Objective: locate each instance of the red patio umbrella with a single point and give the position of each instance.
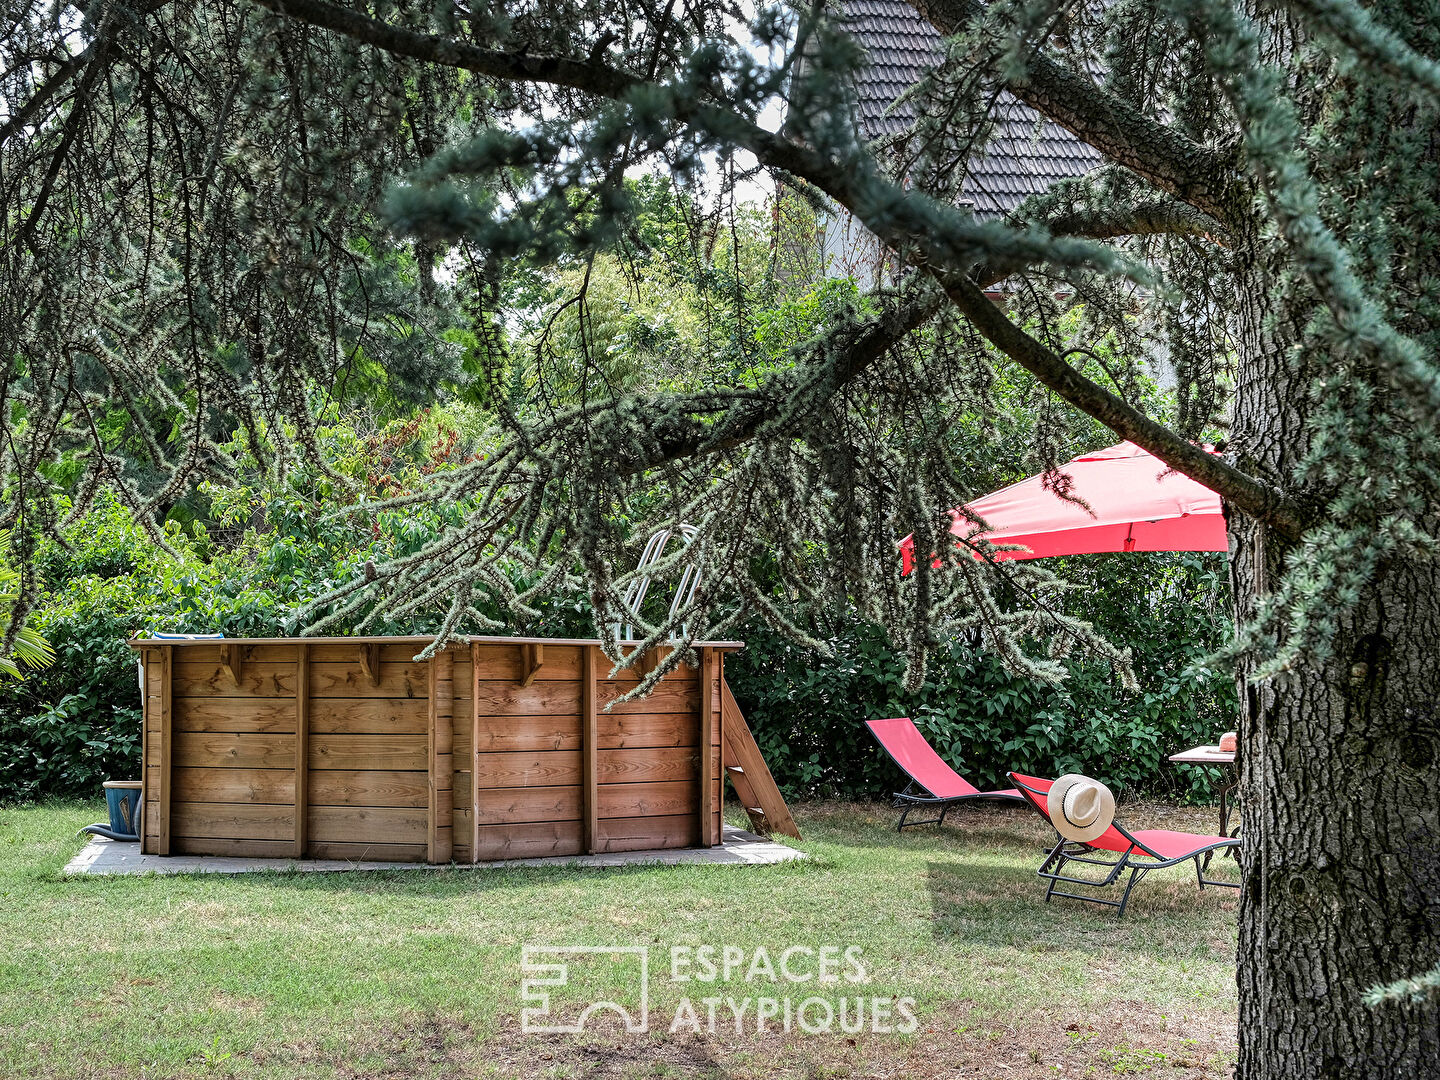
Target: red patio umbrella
(1136, 504)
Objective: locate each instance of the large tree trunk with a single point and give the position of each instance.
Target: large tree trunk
(1341, 795)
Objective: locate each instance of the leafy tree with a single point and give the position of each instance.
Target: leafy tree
(31, 649)
(1268, 201)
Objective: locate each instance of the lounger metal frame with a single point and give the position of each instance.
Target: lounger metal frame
(910, 800)
(1074, 851)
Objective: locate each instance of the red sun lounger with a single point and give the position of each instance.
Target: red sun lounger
(932, 782)
(1139, 852)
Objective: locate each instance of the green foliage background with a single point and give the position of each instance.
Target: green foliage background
(808, 712)
(68, 727)
(657, 311)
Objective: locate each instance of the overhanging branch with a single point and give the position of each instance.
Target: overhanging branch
(878, 204)
(745, 421)
(1244, 492)
(1194, 173)
(594, 77)
(1155, 217)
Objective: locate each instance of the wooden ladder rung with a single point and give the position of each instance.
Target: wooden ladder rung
(756, 790)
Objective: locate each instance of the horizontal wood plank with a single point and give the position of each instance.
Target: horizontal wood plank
(367, 852)
(502, 663)
(348, 680)
(252, 715)
(193, 679)
(390, 653)
(280, 650)
(233, 821)
(551, 697)
(646, 765)
(540, 698)
(641, 834)
(635, 674)
(673, 695)
(500, 806)
(665, 798)
(368, 716)
(240, 849)
(527, 769)
(367, 825)
(230, 785)
(371, 787)
(498, 663)
(382, 752)
(210, 750)
(528, 841)
(622, 730)
(511, 733)
(208, 652)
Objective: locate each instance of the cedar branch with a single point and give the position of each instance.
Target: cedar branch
(876, 203)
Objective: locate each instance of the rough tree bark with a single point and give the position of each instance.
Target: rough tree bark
(1340, 803)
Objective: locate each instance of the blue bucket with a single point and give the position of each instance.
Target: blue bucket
(122, 798)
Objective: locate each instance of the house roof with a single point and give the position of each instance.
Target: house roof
(1025, 153)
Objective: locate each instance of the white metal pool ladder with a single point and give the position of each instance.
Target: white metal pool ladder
(653, 553)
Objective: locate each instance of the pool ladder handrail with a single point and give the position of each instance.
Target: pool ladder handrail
(636, 590)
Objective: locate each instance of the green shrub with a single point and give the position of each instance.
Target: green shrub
(808, 712)
(250, 555)
(70, 746)
(246, 560)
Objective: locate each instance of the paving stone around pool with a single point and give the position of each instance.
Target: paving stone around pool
(740, 848)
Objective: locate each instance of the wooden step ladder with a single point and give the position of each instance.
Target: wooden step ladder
(754, 786)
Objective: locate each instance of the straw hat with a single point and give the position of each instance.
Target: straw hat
(1080, 808)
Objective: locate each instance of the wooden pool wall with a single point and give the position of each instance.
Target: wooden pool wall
(349, 749)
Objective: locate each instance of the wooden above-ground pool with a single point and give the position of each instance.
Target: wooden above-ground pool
(347, 748)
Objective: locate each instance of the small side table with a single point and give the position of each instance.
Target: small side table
(1223, 759)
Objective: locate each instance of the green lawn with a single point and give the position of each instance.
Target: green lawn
(416, 973)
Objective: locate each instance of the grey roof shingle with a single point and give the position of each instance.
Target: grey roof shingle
(1025, 153)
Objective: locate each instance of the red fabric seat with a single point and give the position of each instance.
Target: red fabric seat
(1174, 845)
(928, 771)
(913, 753)
(1162, 843)
(1136, 852)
